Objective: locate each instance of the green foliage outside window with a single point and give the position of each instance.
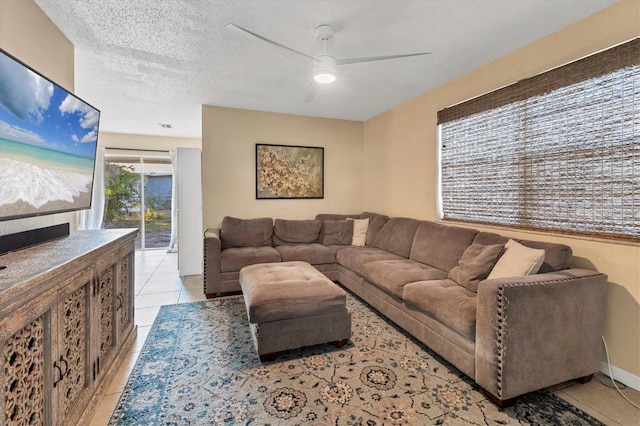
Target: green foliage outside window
(122, 191)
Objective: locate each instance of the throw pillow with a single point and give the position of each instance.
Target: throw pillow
(337, 232)
(517, 260)
(360, 227)
(475, 264)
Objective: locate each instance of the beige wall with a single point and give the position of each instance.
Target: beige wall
(161, 143)
(228, 163)
(401, 161)
(28, 34)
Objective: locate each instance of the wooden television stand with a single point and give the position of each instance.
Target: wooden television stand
(66, 322)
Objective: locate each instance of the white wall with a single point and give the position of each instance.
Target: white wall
(189, 209)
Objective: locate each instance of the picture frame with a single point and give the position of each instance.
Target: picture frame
(289, 172)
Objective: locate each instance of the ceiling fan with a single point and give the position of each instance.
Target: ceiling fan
(324, 63)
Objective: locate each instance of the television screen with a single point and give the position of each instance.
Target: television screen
(48, 141)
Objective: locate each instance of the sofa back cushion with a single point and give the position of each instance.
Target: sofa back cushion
(334, 216)
(322, 217)
(396, 236)
(440, 246)
(376, 222)
(236, 232)
(295, 231)
(337, 232)
(557, 256)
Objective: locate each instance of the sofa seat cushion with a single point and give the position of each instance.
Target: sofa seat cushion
(234, 259)
(392, 275)
(315, 254)
(446, 302)
(354, 258)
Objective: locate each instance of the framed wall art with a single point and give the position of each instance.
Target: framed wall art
(286, 171)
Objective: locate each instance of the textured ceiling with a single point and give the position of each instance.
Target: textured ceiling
(146, 62)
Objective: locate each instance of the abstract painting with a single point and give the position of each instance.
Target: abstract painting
(285, 171)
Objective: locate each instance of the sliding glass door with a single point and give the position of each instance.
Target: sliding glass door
(138, 189)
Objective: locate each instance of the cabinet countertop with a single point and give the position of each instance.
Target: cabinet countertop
(44, 261)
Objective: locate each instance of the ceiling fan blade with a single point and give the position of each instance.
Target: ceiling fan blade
(355, 61)
(270, 43)
(311, 93)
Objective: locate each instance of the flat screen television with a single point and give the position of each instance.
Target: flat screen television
(48, 142)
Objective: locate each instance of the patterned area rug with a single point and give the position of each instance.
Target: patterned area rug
(198, 367)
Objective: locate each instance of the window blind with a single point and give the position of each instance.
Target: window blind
(558, 151)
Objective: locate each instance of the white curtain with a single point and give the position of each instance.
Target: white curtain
(174, 204)
(92, 218)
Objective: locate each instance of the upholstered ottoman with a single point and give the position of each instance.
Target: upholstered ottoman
(291, 305)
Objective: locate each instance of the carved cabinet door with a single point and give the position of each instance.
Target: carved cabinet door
(125, 294)
(26, 373)
(72, 366)
(104, 303)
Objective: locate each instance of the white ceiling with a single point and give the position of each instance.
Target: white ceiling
(146, 62)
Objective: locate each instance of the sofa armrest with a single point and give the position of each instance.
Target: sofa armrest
(211, 275)
(212, 233)
(539, 330)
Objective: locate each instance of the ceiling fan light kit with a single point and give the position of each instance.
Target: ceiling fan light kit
(324, 64)
(324, 76)
(324, 69)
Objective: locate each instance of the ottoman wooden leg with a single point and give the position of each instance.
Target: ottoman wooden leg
(339, 343)
(585, 379)
(501, 403)
(268, 357)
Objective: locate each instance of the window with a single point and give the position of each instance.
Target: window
(138, 195)
(558, 151)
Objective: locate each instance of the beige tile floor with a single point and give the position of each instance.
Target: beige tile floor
(157, 283)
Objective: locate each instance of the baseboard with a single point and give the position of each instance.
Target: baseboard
(622, 376)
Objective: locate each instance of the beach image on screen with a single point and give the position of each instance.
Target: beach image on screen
(48, 142)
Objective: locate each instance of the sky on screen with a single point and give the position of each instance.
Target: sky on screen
(37, 112)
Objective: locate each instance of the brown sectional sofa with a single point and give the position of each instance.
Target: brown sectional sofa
(511, 335)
